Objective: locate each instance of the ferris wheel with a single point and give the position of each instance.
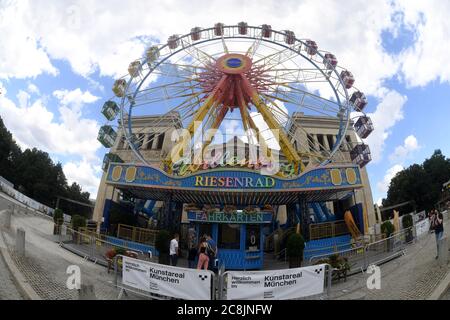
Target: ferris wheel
(260, 76)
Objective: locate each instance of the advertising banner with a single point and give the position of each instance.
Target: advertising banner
(276, 284)
(181, 283)
(422, 227)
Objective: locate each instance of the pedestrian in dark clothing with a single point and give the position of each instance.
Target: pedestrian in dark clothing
(437, 224)
(192, 257)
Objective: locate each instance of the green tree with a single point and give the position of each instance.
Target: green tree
(9, 152)
(420, 183)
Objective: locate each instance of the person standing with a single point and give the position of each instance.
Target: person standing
(437, 224)
(174, 250)
(211, 251)
(191, 257)
(203, 260)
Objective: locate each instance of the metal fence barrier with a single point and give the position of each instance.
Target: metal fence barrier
(360, 258)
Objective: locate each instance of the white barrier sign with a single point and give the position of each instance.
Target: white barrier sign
(422, 227)
(276, 284)
(187, 284)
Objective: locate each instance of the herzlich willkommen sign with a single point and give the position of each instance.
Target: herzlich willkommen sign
(276, 284)
(181, 283)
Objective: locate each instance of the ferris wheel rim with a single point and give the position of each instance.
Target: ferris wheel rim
(343, 125)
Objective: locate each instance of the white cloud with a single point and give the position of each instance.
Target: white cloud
(75, 99)
(85, 174)
(32, 88)
(383, 186)
(22, 55)
(402, 152)
(427, 59)
(107, 36)
(388, 112)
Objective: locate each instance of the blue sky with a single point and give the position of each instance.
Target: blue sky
(59, 63)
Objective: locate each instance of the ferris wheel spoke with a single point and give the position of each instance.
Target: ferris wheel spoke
(196, 53)
(292, 89)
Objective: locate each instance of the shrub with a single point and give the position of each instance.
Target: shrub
(78, 222)
(58, 217)
(387, 228)
(407, 221)
(294, 250)
(162, 241)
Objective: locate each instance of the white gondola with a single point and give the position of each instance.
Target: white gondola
(364, 127)
(173, 42)
(359, 101)
(330, 61)
(107, 136)
(218, 29)
(119, 88)
(135, 68)
(266, 31)
(311, 47)
(152, 55)
(242, 28)
(110, 110)
(289, 37)
(361, 155)
(348, 79)
(196, 33)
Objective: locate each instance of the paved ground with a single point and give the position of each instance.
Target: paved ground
(413, 276)
(8, 290)
(45, 263)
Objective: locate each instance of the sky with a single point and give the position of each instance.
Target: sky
(59, 59)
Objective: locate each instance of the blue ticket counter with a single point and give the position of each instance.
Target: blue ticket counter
(240, 244)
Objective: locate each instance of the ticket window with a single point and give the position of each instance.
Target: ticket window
(253, 237)
(229, 236)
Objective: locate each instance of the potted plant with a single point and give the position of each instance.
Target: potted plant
(387, 228)
(58, 219)
(408, 224)
(340, 266)
(77, 223)
(294, 249)
(162, 244)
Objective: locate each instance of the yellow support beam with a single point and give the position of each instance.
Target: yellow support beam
(198, 117)
(282, 139)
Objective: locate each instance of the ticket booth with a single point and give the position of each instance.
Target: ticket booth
(239, 237)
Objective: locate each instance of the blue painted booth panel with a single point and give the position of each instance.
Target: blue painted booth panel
(133, 245)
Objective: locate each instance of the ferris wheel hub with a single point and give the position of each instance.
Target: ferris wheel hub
(234, 64)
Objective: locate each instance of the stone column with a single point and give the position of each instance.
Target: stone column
(316, 142)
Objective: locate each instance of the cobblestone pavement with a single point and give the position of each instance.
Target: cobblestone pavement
(45, 262)
(413, 276)
(8, 290)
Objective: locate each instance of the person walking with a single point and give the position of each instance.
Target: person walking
(174, 250)
(437, 224)
(203, 260)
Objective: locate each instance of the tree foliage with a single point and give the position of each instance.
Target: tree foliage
(35, 174)
(421, 183)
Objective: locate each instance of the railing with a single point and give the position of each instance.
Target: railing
(361, 257)
(136, 234)
(328, 230)
(94, 247)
